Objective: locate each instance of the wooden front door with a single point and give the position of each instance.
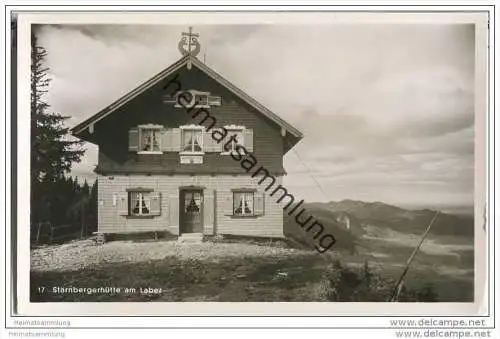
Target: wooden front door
(191, 207)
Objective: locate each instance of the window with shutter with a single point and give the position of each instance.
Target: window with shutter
(192, 140)
(149, 140)
(239, 139)
(247, 203)
(193, 98)
(243, 203)
(139, 203)
(146, 139)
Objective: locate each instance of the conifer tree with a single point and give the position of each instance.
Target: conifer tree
(85, 188)
(52, 150)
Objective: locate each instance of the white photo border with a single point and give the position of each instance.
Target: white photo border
(268, 315)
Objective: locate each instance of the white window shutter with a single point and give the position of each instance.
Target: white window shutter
(133, 139)
(216, 146)
(208, 142)
(175, 139)
(214, 100)
(155, 203)
(173, 218)
(208, 212)
(226, 202)
(248, 139)
(259, 202)
(166, 140)
(122, 204)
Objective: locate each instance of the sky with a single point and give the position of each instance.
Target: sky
(387, 111)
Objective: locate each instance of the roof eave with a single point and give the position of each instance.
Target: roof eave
(76, 130)
(257, 105)
(128, 96)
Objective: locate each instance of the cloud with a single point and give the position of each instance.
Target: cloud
(386, 110)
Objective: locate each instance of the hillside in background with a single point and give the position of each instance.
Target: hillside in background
(384, 236)
(349, 220)
(399, 219)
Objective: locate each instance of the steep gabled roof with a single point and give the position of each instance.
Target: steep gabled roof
(169, 71)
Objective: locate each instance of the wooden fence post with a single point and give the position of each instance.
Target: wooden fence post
(83, 221)
(38, 232)
(51, 233)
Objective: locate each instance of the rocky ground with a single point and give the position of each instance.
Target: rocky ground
(85, 253)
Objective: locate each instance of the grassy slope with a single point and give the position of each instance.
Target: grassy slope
(235, 279)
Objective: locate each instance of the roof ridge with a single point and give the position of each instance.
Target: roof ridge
(167, 72)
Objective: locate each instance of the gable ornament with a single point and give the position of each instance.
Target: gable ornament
(189, 45)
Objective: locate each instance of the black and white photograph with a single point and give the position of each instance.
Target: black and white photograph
(252, 163)
(175, 168)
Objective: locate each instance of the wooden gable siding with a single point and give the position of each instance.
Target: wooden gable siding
(111, 133)
(218, 194)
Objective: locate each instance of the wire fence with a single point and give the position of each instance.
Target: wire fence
(43, 233)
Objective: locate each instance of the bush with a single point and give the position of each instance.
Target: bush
(363, 285)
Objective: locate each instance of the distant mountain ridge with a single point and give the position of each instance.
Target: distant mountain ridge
(349, 221)
(399, 219)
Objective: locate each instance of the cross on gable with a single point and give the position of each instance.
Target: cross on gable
(189, 43)
(190, 34)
